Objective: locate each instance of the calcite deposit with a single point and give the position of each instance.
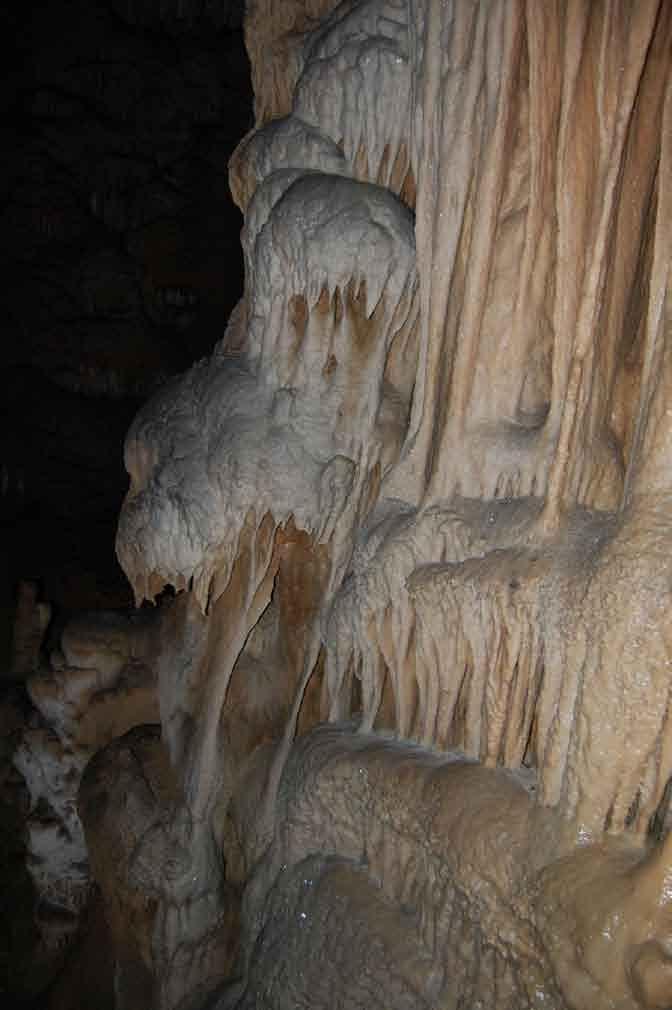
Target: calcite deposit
(419, 494)
(98, 684)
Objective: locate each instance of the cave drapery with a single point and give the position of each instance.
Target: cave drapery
(418, 494)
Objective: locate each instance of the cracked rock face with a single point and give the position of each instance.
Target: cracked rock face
(420, 492)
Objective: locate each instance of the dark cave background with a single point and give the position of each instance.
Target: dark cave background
(121, 258)
(121, 262)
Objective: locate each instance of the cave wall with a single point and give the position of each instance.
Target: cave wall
(418, 494)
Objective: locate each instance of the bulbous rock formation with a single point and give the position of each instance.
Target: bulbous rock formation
(98, 684)
(422, 488)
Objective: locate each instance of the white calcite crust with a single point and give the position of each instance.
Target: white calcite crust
(268, 432)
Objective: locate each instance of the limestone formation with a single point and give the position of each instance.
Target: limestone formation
(420, 492)
(471, 895)
(129, 793)
(96, 686)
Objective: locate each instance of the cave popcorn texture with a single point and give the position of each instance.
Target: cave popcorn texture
(422, 487)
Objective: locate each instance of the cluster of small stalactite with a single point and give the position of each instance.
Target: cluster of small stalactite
(484, 647)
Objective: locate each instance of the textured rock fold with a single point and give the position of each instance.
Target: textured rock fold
(423, 484)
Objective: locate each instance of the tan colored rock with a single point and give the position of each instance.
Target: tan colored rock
(128, 798)
(492, 901)
(274, 35)
(426, 474)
